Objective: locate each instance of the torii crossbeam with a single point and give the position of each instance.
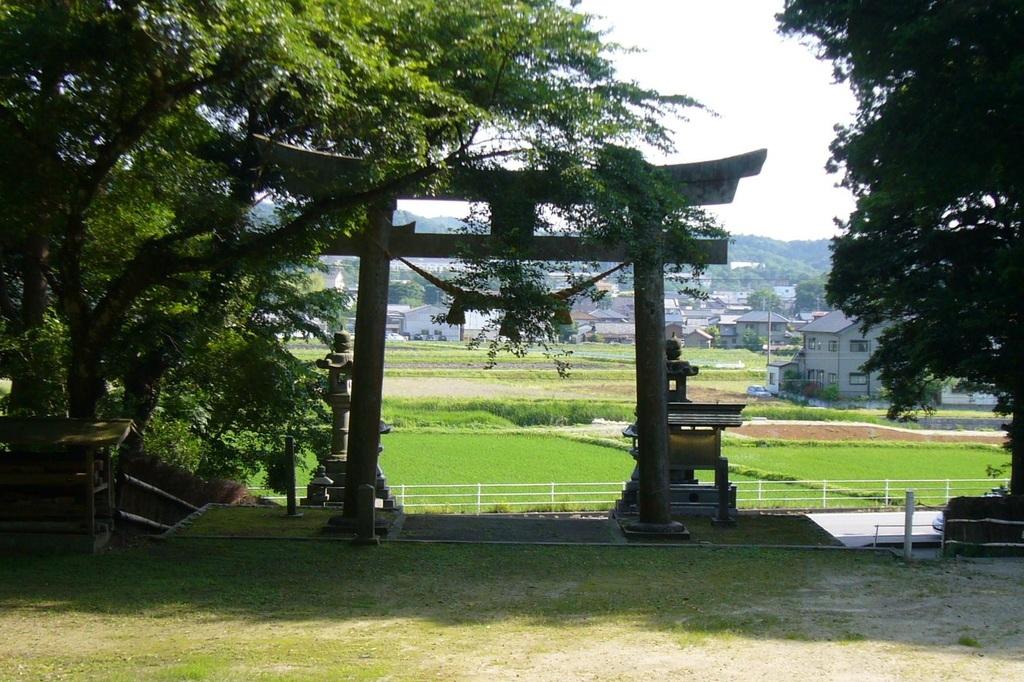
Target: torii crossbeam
(318, 174)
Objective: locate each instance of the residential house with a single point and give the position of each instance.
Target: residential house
(696, 338)
(834, 352)
(419, 323)
(581, 317)
(701, 318)
(675, 316)
(729, 298)
(605, 315)
(756, 322)
(786, 293)
(612, 332)
(778, 380)
(625, 305)
(727, 337)
(691, 337)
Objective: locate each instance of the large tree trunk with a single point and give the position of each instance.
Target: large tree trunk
(141, 396)
(86, 386)
(32, 377)
(34, 296)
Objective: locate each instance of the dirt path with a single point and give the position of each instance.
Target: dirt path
(806, 430)
(809, 430)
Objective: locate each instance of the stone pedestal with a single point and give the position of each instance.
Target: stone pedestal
(336, 491)
(385, 500)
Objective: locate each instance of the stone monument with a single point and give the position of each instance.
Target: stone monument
(694, 442)
(328, 483)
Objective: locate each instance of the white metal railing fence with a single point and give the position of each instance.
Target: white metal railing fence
(885, 492)
(750, 494)
(490, 496)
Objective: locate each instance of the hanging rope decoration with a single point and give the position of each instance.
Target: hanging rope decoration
(463, 300)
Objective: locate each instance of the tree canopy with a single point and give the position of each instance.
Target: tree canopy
(136, 237)
(810, 294)
(935, 247)
(764, 299)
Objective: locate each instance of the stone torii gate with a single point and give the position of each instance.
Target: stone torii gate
(310, 173)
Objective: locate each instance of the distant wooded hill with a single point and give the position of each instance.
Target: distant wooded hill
(812, 254)
(440, 225)
(781, 262)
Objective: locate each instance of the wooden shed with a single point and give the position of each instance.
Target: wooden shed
(56, 485)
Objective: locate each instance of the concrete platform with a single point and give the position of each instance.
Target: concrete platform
(528, 528)
(866, 529)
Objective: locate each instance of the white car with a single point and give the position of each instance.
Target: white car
(758, 392)
(392, 336)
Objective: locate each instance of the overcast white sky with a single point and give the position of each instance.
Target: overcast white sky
(768, 92)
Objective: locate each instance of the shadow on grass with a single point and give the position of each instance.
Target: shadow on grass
(754, 593)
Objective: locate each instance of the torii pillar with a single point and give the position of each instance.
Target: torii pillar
(368, 360)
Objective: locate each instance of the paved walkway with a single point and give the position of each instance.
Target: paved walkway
(582, 528)
(858, 529)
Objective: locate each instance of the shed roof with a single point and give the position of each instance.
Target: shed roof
(62, 432)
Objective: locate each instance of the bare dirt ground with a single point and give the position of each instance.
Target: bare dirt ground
(852, 431)
(953, 623)
(808, 430)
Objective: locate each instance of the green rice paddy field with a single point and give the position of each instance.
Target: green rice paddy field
(514, 457)
(438, 457)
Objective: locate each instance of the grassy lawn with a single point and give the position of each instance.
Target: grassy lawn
(262, 610)
(860, 460)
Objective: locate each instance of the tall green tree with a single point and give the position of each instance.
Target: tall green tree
(128, 137)
(935, 247)
(132, 247)
(409, 292)
(764, 299)
(752, 341)
(810, 294)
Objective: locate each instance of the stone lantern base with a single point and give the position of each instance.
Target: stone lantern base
(336, 491)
